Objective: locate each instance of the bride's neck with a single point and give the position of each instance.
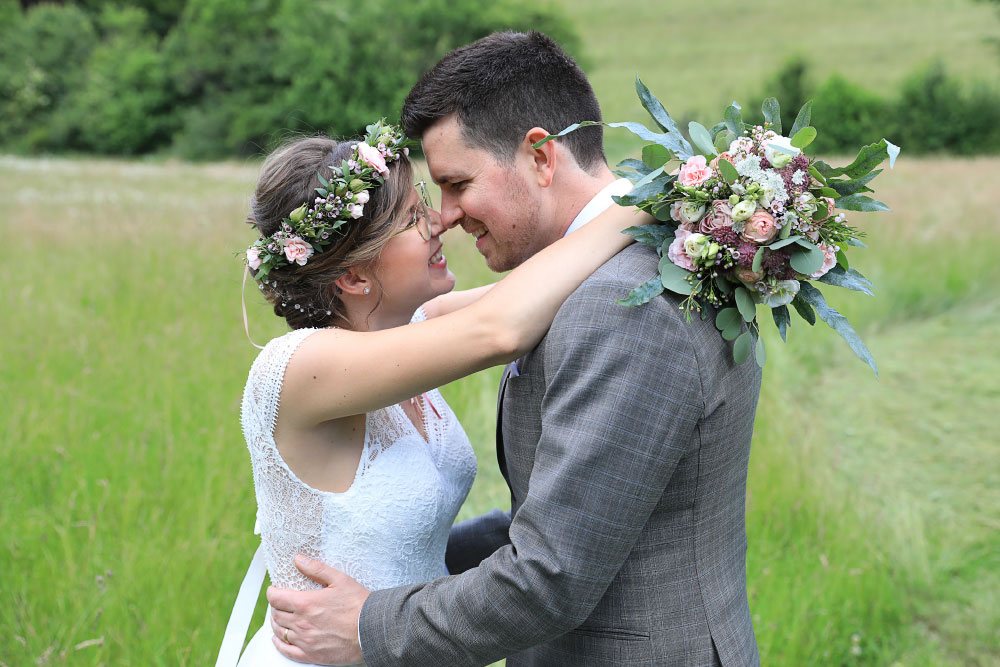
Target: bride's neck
(361, 317)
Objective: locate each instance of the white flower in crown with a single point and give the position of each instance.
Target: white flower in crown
(355, 210)
(361, 197)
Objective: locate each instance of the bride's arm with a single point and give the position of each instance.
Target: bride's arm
(336, 373)
(452, 301)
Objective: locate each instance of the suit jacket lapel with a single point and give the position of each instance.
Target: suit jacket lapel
(501, 453)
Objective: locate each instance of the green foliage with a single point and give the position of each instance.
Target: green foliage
(214, 78)
(932, 111)
(43, 56)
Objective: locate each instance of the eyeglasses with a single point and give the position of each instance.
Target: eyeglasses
(421, 216)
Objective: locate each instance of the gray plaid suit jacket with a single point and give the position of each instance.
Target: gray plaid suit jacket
(624, 440)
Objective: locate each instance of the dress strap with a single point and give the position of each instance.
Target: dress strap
(239, 620)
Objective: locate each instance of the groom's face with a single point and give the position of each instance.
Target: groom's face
(496, 202)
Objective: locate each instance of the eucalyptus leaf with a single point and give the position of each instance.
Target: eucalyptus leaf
(322, 181)
(856, 242)
(745, 304)
(724, 285)
(760, 355)
(733, 331)
(656, 155)
(701, 138)
(728, 171)
(651, 235)
(742, 348)
(734, 120)
(674, 277)
(721, 141)
(661, 211)
(637, 165)
(322, 192)
(860, 203)
(783, 242)
(804, 137)
(842, 259)
(814, 172)
(803, 118)
(655, 109)
(838, 323)
(847, 278)
(868, 158)
(781, 319)
(758, 258)
(854, 186)
(643, 293)
(804, 310)
(644, 189)
(806, 260)
(772, 113)
(727, 318)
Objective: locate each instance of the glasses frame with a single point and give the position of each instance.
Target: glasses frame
(420, 213)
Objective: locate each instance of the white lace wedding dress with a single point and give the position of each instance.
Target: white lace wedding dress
(390, 528)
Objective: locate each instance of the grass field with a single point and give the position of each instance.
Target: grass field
(125, 487)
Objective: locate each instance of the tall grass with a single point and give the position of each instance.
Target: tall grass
(125, 484)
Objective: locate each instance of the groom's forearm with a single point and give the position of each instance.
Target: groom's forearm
(473, 540)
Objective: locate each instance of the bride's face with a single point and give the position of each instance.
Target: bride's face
(412, 269)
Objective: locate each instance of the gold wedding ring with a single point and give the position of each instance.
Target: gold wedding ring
(286, 636)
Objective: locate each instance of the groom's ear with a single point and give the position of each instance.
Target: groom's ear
(544, 158)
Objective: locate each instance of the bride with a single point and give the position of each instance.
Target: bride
(357, 460)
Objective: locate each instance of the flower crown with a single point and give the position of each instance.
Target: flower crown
(307, 230)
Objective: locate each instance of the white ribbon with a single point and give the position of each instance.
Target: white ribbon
(246, 601)
(243, 302)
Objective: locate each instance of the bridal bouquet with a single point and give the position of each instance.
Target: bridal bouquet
(748, 219)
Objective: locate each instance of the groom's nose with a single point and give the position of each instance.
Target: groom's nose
(451, 212)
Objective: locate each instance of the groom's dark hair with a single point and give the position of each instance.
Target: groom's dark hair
(503, 85)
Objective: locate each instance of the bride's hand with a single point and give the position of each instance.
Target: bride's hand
(319, 626)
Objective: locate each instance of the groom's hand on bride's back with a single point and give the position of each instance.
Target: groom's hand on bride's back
(319, 626)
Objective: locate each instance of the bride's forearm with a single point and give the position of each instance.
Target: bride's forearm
(452, 301)
(525, 302)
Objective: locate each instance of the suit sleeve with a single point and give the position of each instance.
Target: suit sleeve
(621, 406)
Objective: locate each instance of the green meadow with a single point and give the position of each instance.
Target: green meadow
(873, 503)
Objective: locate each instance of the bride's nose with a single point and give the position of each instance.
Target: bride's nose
(436, 226)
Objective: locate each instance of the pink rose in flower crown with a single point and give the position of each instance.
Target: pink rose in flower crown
(253, 258)
(695, 171)
(719, 216)
(676, 251)
(829, 261)
(372, 157)
(760, 228)
(297, 250)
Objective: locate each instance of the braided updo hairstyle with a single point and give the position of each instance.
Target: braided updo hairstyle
(287, 180)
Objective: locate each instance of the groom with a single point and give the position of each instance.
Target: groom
(624, 436)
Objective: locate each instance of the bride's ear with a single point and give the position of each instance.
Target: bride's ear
(355, 281)
(544, 158)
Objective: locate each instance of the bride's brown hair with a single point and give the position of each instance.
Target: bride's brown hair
(288, 179)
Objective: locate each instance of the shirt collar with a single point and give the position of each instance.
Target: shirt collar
(601, 202)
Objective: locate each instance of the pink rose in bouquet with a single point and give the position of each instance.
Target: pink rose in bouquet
(720, 215)
(760, 228)
(829, 261)
(695, 171)
(721, 156)
(676, 251)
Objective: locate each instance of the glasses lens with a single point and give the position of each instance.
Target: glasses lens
(422, 215)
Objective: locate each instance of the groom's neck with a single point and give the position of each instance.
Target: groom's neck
(576, 191)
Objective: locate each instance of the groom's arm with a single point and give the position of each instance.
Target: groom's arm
(622, 402)
(473, 540)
